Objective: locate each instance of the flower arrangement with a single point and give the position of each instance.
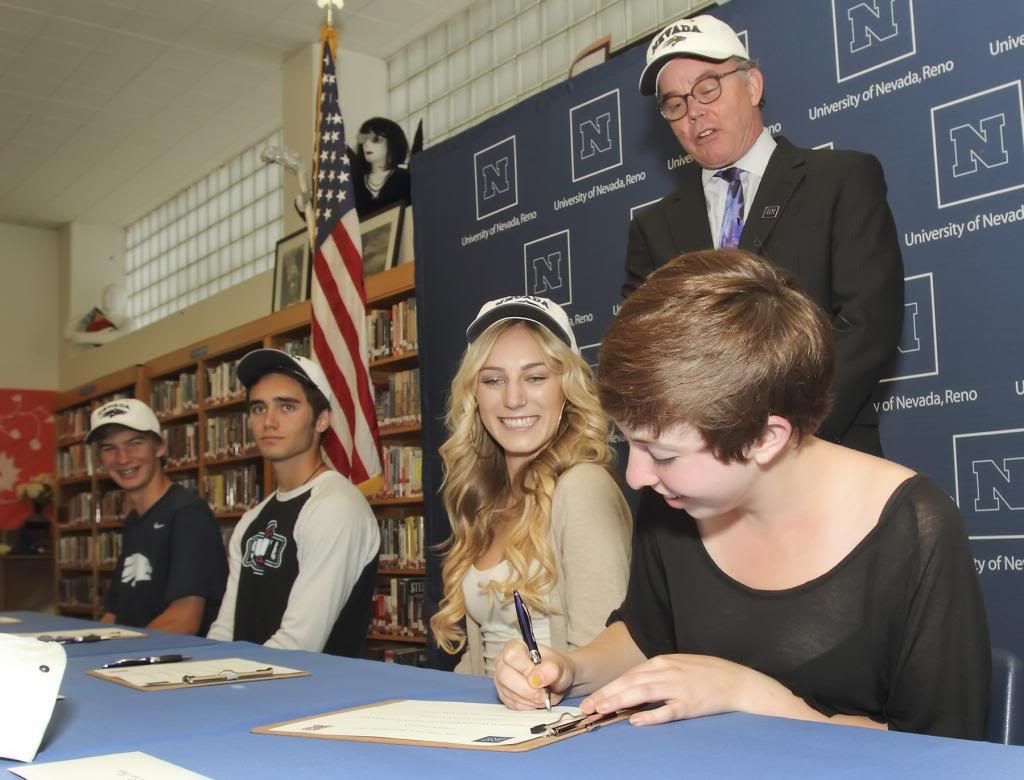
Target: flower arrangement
(38, 490)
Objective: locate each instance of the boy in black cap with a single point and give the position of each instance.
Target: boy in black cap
(171, 572)
(302, 562)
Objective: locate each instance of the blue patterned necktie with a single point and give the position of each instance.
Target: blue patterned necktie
(732, 217)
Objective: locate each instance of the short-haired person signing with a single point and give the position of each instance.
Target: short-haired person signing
(303, 561)
(820, 214)
(171, 572)
(528, 489)
(773, 572)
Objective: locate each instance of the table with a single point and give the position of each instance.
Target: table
(207, 730)
(154, 641)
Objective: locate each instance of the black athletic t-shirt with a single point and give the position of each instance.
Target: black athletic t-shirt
(175, 549)
(896, 631)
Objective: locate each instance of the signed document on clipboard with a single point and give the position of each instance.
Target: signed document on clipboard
(447, 724)
(195, 674)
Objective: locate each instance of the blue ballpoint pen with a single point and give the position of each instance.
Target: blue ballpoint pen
(526, 629)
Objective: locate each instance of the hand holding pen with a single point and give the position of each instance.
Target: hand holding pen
(526, 629)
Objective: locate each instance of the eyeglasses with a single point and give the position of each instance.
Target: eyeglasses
(706, 90)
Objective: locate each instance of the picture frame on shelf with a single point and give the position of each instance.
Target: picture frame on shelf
(380, 237)
(292, 270)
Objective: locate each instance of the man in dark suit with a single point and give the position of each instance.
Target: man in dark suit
(822, 215)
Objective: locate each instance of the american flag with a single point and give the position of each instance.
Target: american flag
(338, 295)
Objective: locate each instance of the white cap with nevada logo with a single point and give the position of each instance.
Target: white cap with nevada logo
(531, 308)
(704, 37)
(129, 412)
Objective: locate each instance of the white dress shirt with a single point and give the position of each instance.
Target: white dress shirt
(752, 166)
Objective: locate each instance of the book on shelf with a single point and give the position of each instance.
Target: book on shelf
(108, 547)
(399, 404)
(298, 347)
(392, 332)
(403, 471)
(402, 542)
(229, 435)
(72, 422)
(75, 590)
(187, 481)
(398, 608)
(75, 550)
(113, 506)
(182, 444)
(175, 396)
(72, 461)
(79, 510)
(222, 382)
(234, 489)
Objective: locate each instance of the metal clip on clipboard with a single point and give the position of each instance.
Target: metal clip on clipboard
(567, 724)
(229, 676)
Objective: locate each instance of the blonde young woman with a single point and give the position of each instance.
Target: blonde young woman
(528, 489)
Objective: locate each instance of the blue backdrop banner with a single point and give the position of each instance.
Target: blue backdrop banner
(538, 199)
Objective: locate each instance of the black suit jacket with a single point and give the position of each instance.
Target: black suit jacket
(822, 215)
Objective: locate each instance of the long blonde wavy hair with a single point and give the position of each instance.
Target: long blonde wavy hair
(478, 492)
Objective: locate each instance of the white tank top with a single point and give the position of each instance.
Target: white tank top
(498, 623)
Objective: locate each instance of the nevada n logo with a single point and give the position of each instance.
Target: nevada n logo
(978, 145)
(989, 470)
(264, 550)
(595, 131)
(547, 265)
(918, 350)
(870, 34)
(496, 180)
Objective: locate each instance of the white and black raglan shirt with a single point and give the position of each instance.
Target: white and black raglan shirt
(294, 561)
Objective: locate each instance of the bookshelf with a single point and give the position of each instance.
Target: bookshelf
(86, 518)
(201, 409)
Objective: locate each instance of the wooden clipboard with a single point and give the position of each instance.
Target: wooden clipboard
(178, 675)
(567, 730)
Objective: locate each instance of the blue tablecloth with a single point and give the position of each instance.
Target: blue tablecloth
(154, 641)
(207, 730)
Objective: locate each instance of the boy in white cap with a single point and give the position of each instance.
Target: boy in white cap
(820, 214)
(303, 562)
(171, 572)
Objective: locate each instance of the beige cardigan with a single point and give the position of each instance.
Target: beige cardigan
(590, 536)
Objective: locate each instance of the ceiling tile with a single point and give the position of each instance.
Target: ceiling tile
(21, 20)
(60, 31)
(154, 27)
(95, 12)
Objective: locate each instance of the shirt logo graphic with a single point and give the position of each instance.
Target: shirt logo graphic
(265, 550)
(136, 569)
(158, 526)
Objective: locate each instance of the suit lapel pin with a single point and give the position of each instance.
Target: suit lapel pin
(770, 212)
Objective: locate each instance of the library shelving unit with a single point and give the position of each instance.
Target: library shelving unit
(201, 407)
(86, 522)
(399, 622)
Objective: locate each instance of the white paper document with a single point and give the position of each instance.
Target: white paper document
(115, 766)
(450, 722)
(4, 619)
(82, 635)
(197, 672)
(30, 675)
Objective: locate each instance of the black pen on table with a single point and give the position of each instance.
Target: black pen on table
(146, 660)
(526, 629)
